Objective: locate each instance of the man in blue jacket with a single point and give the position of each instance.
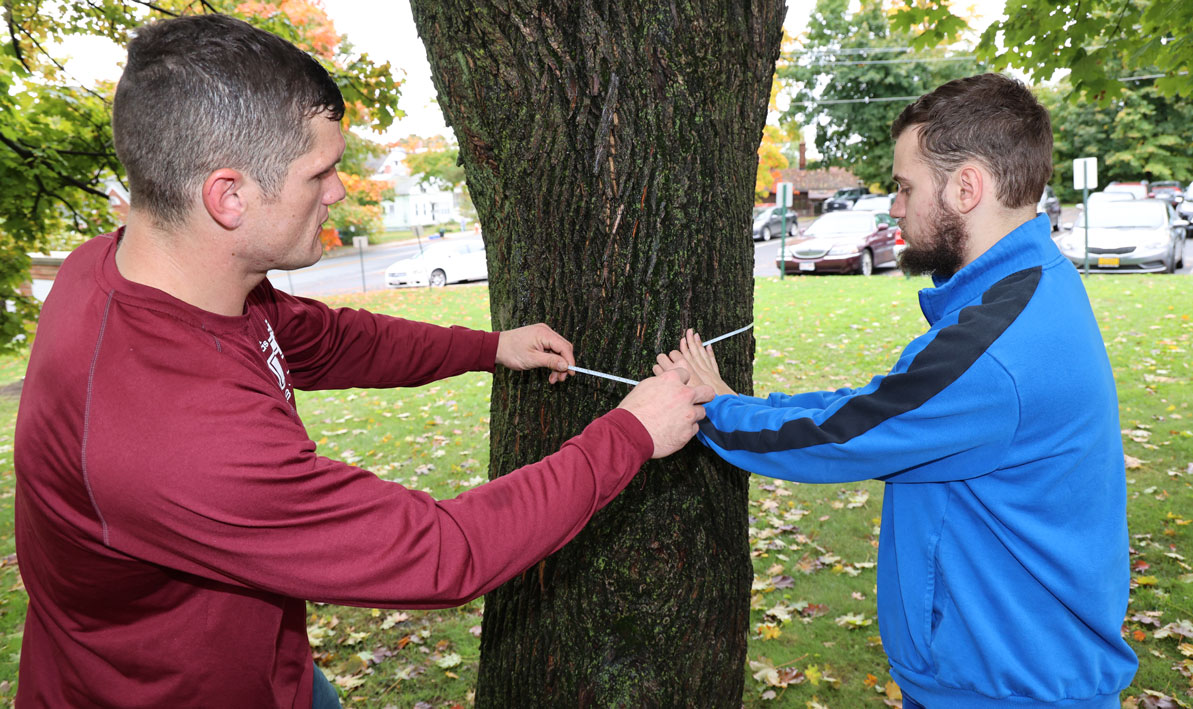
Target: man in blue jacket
(1003, 573)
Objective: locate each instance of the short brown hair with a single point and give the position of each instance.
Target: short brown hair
(204, 92)
(991, 118)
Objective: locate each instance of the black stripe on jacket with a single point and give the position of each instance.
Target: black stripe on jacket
(952, 352)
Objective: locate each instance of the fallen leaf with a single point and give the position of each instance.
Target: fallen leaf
(814, 610)
(852, 620)
(1182, 628)
(448, 661)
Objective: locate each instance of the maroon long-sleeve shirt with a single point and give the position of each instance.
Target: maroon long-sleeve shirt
(173, 514)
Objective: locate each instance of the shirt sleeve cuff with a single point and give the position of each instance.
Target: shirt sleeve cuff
(633, 429)
(486, 359)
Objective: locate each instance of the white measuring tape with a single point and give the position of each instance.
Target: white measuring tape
(631, 382)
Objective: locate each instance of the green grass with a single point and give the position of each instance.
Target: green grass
(814, 607)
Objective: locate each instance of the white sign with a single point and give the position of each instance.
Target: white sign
(783, 192)
(360, 242)
(1085, 173)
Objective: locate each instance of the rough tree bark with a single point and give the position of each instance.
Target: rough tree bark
(610, 148)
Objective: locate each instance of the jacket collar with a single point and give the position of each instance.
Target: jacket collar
(1030, 244)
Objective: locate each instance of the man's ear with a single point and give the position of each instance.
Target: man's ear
(224, 197)
(971, 184)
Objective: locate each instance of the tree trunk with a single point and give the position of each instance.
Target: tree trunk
(610, 149)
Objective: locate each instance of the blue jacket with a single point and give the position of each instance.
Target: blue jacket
(1002, 563)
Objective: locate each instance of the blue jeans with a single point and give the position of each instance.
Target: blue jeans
(323, 695)
(909, 703)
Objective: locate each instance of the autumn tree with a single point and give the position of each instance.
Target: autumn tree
(55, 137)
(359, 213)
(611, 151)
(437, 167)
(770, 160)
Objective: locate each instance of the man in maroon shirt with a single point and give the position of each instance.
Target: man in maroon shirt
(173, 515)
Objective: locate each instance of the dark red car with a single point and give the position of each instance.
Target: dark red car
(842, 242)
(1169, 191)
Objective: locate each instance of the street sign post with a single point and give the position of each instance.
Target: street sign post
(1085, 178)
(783, 192)
(361, 242)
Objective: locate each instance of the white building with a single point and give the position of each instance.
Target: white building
(413, 203)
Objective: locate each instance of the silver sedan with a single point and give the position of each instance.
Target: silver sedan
(1136, 236)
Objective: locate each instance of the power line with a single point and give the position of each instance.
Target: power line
(1152, 76)
(885, 99)
(869, 62)
(862, 50)
(867, 99)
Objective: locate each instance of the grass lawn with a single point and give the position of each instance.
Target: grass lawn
(814, 641)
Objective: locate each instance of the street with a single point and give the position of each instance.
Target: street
(341, 273)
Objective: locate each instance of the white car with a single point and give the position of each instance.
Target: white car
(1136, 236)
(874, 203)
(439, 264)
(1185, 208)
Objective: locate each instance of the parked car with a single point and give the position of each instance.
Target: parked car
(843, 242)
(900, 245)
(439, 264)
(1049, 205)
(1143, 236)
(1185, 208)
(844, 199)
(1169, 190)
(1137, 189)
(874, 203)
(768, 222)
(1111, 197)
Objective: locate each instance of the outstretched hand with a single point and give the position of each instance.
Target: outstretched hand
(698, 360)
(535, 346)
(669, 407)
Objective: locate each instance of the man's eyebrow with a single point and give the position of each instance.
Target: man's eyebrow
(898, 178)
(331, 166)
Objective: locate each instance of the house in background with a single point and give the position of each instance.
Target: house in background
(413, 203)
(812, 187)
(117, 199)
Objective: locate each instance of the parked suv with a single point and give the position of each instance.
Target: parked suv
(1138, 190)
(1168, 190)
(844, 199)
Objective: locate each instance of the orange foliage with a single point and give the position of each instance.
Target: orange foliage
(318, 32)
(366, 189)
(330, 236)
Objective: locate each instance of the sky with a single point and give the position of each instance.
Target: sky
(385, 31)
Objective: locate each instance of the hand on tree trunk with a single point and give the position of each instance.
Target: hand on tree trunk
(699, 361)
(535, 346)
(668, 408)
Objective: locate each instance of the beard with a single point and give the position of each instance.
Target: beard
(940, 250)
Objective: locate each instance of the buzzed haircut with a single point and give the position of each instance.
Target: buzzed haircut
(205, 92)
(992, 118)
